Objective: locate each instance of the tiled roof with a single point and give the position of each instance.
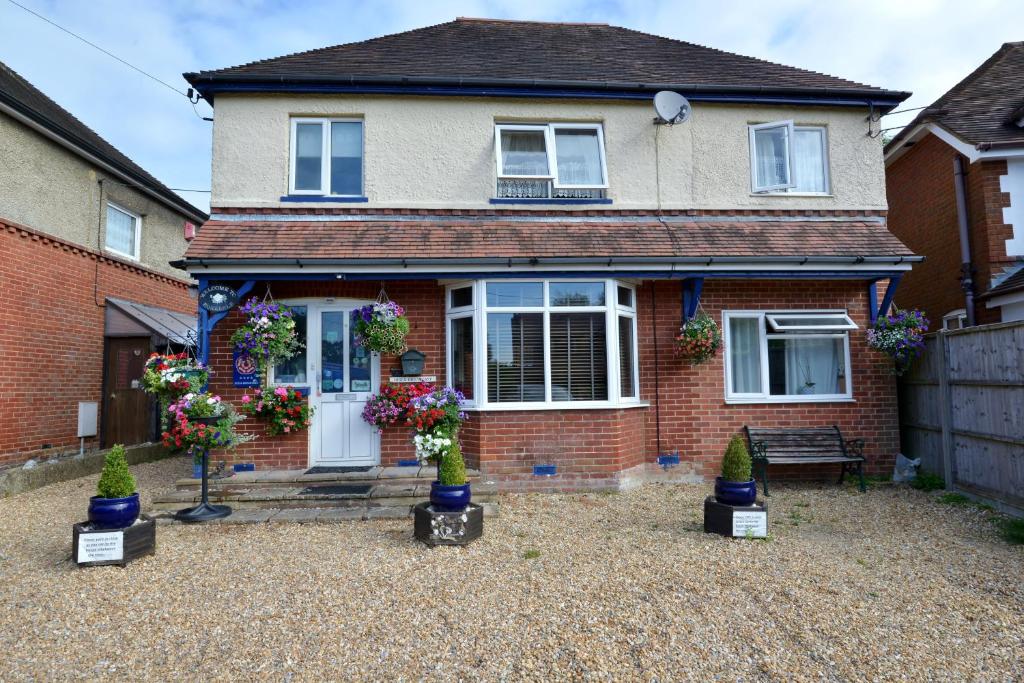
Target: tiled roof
(537, 53)
(981, 108)
(455, 239)
(1014, 283)
(29, 101)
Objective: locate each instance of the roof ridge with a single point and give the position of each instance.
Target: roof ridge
(487, 20)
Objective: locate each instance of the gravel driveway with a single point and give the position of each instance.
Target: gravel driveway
(890, 585)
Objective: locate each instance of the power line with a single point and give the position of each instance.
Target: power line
(94, 45)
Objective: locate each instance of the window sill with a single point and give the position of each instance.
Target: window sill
(543, 200)
(789, 399)
(580, 405)
(821, 195)
(121, 255)
(323, 198)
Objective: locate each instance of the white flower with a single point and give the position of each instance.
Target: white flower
(211, 401)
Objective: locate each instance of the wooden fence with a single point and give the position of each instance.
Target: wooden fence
(962, 412)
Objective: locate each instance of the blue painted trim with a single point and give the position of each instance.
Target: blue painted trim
(408, 463)
(323, 198)
(244, 467)
(873, 301)
(207, 322)
(567, 274)
(213, 89)
(692, 288)
(890, 293)
(563, 200)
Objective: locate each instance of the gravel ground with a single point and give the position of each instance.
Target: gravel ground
(891, 585)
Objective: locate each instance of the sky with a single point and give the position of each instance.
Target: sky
(917, 45)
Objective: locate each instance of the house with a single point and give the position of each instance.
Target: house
(88, 291)
(955, 179)
(507, 184)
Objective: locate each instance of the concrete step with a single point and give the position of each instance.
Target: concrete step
(279, 478)
(314, 514)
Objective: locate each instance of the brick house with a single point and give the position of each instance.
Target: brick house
(978, 128)
(88, 290)
(547, 238)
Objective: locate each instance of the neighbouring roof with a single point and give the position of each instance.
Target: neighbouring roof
(177, 328)
(537, 55)
(453, 240)
(1014, 283)
(28, 101)
(983, 108)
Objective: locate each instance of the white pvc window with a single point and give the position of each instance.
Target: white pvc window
(326, 157)
(570, 155)
(785, 158)
(787, 356)
(124, 231)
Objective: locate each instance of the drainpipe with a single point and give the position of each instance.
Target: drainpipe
(966, 267)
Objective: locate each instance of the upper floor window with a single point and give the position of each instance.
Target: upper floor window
(557, 160)
(327, 157)
(124, 231)
(788, 158)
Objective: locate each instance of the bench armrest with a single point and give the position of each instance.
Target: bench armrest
(758, 450)
(854, 447)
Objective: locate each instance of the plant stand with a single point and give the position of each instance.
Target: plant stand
(750, 521)
(92, 547)
(434, 527)
(204, 512)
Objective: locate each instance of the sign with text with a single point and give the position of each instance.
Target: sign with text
(244, 370)
(753, 524)
(429, 379)
(101, 547)
(218, 298)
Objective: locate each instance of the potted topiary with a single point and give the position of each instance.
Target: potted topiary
(116, 503)
(435, 419)
(736, 486)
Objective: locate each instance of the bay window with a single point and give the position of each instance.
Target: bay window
(537, 343)
(786, 158)
(554, 161)
(327, 157)
(787, 355)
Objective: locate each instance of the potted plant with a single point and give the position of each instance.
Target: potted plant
(736, 486)
(201, 422)
(390, 406)
(268, 334)
(699, 339)
(381, 327)
(435, 419)
(899, 335)
(285, 409)
(116, 503)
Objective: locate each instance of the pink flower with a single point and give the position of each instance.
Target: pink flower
(281, 391)
(246, 399)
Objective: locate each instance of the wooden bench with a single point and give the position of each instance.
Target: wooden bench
(804, 446)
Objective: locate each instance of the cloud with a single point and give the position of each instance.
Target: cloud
(913, 45)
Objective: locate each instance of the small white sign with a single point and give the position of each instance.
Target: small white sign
(413, 380)
(104, 547)
(753, 524)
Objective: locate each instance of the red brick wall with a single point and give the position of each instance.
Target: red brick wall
(591, 446)
(922, 213)
(51, 333)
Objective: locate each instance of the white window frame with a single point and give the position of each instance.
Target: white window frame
(773, 318)
(137, 256)
(752, 132)
(325, 155)
(959, 314)
(480, 310)
(764, 334)
(790, 189)
(308, 303)
(550, 149)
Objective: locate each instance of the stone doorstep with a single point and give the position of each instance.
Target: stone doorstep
(313, 515)
(278, 477)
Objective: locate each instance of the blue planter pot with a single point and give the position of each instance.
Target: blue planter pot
(449, 498)
(739, 493)
(197, 470)
(113, 513)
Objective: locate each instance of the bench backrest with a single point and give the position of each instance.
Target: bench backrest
(801, 442)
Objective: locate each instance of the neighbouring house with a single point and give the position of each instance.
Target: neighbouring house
(955, 180)
(507, 184)
(86, 237)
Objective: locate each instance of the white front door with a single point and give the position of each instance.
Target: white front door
(344, 375)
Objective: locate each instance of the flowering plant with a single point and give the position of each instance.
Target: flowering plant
(268, 334)
(899, 335)
(435, 418)
(381, 327)
(699, 339)
(189, 429)
(285, 409)
(390, 406)
(173, 374)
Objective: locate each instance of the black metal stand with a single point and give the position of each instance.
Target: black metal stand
(204, 512)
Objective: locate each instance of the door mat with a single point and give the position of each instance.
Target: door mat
(337, 490)
(320, 469)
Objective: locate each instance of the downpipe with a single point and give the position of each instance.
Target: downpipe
(966, 264)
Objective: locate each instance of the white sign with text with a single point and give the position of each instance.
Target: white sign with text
(102, 547)
(753, 524)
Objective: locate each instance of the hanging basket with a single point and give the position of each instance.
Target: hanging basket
(381, 326)
(699, 339)
(268, 334)
(899, 335)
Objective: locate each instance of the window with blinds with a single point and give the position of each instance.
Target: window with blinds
(579, 357)
(515, 357)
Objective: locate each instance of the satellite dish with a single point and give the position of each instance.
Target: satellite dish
(671, 108)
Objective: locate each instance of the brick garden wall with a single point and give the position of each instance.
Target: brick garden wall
(51, 334)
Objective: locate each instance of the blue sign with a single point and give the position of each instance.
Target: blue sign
(245, 370)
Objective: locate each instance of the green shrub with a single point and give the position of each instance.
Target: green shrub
(452, 471)
(115, 481)
(1013, 530)
(926, 481)
(736, 463)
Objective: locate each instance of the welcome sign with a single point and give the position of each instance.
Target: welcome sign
(244, 370)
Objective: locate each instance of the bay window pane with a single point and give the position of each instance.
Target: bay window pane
(461, 335)
(510, 294)
(463, 296)
(293, 370)
(579, 361)
(806, 366)
(625, 295)
(121, 229)
(515, 357)
(308, 153)
(771, 157)
(576, 293)
(578, 154)
(745, 355)
(627, 383)
(524, 152)
(809, 160)
(346, 157)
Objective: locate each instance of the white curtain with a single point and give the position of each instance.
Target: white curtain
(772, 162)
(120, 231)
(745, 355)
(812, 366)
(809, 160)
(523, 152)
(579, 157)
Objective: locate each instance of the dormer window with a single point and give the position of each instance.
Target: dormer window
(556, 161)
(326, 157)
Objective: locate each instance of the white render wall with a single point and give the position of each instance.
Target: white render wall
(1013, 215)
(438, 152)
